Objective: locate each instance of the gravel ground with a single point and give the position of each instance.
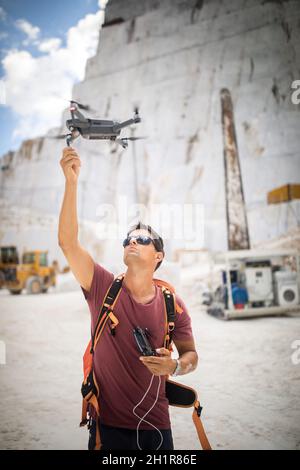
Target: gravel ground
(246, 380)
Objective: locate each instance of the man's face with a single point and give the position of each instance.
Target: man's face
(141, 255)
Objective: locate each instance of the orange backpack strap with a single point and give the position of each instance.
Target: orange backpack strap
(98, 443)
(160, 283)
(106, 311)
(171, 308)
(89, 388)
(199, 427)
(183, 396)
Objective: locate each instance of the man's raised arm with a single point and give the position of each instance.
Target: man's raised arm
(80, 261)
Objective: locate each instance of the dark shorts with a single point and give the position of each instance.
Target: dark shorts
(120, 438)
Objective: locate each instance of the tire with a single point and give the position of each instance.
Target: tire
(15, 292)
(34, 285)
(44, 290)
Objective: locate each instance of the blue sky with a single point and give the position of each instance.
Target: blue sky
(42, 44)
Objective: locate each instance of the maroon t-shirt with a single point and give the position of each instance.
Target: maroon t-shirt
(121, 376)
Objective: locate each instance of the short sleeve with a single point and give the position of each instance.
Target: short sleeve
(183, 325)
(101, 281)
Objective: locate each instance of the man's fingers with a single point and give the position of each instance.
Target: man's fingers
(163, 351)
(70, 154)
(69, 151)
(72, 163)
(149, 366)
(68, 158)
(151, 360)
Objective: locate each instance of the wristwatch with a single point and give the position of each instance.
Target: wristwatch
(177, 369)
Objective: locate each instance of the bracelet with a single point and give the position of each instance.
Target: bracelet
(177, 369)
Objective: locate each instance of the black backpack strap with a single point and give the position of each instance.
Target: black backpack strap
(107, 306)
(170, 305)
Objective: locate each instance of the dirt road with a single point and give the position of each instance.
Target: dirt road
(246, 380)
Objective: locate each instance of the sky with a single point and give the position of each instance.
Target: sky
(44, 46)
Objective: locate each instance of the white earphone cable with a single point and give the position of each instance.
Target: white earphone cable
(143, 417)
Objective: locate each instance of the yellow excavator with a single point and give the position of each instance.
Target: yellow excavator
(33, 274)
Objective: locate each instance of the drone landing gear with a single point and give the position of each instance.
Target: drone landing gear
(68, 139)
(122, 142)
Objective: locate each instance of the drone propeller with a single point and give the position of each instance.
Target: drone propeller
(124, 140)
(85, 107)
(60, 136)
(133, 138)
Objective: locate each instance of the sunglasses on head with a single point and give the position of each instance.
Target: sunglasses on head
(140, 239)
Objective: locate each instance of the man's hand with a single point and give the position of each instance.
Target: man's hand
(70, 163)
(160, 365)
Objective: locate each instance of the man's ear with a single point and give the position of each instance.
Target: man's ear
(159, 257)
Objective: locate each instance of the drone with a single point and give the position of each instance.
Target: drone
(79, 125)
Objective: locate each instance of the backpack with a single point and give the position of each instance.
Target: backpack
(177, 394)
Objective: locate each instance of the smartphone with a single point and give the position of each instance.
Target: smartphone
(142, 342)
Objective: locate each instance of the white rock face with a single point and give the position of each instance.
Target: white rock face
(172, 58)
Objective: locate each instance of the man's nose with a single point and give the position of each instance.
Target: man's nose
(133, 241)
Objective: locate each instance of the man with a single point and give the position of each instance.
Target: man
(132, 388)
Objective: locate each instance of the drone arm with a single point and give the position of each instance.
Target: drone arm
(75, 113)
(123, 124)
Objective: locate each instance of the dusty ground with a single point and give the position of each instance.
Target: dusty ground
(246, 380)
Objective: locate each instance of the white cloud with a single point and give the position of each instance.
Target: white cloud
(36, 86)
(32, 32)
(102, 4)
(49, 45)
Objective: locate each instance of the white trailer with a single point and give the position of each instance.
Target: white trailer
(281, 299)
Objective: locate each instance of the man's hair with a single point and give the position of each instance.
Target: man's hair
(157, 240)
